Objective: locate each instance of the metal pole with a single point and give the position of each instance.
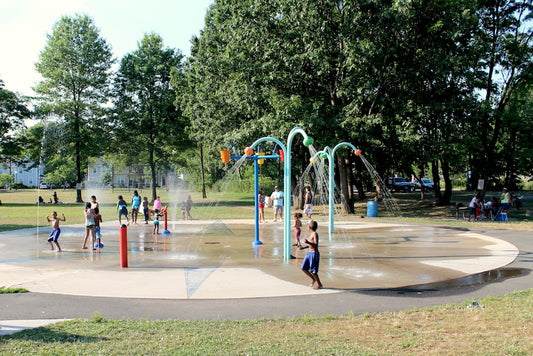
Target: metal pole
(256, 190)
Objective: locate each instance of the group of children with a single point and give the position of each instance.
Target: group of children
(93, 219)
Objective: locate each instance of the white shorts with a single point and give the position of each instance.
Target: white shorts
(278, 209)
(308, 209)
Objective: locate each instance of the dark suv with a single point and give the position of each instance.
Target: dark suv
(399, 184)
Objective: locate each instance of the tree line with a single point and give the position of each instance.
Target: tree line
(423, 87)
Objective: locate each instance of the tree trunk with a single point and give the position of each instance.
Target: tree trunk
(343, 180)
(151, 162)
(79, 175)
(447, 182)
(436, 181)
(204, 194)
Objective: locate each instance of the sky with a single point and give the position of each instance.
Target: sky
(24, 25)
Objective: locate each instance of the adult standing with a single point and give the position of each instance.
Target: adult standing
(277, 203)
(308, 207)
(474, 204)
(505, 200)
(135, 205)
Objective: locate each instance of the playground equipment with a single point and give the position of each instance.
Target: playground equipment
(165, 217)
(258, 159)
(330, 155)
(286, 151)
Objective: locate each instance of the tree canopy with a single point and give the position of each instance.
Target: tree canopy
(75, 65)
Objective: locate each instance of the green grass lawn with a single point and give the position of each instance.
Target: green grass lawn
(501, 326)
(19, 208)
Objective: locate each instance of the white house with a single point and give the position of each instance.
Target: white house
(23, 173)
(134, 176)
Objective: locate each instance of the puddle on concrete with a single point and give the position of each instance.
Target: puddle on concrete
(496, 275)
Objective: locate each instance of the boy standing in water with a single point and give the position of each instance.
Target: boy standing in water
(54, 235)
(312, 258)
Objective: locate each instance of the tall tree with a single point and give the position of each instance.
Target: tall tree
(505, 39)
(75, 65)
(148, 125)
(13, 111)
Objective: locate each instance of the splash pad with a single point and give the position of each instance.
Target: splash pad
(213, 259)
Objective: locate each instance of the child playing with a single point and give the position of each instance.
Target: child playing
(312, 258)
(184, 210)
(54, 235)
(297, 229)
(156, 224)
(89, 224)
(146, 210)
(97, 220)
(261, 205)
(122, 209)
(188, 207)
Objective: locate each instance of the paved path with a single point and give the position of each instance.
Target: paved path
(15, 309)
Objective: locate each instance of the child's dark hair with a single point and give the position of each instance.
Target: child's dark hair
(88, 205)
(96, 210)
(313, 225)
(120, 197)
(298, 215)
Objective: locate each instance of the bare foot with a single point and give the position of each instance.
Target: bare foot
(312, 285)
(319, 286)
(60, 250)
(84, 247)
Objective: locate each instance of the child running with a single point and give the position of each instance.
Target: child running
(122, 209)
(54, 235)
(312, 258)
(297, 229)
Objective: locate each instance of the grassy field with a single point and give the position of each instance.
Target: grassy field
(500, 326)
(19, 208)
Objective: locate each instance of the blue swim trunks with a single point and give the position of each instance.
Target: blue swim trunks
(54, 235)
(97, 232)
(311, 262)
(123, 210)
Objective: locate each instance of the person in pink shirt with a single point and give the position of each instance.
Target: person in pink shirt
(157, 206)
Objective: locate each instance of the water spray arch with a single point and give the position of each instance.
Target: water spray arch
(330, 155)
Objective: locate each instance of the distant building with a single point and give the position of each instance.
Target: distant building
(29, 177)
(134, 176)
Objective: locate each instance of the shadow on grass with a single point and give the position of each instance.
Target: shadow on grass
(45, 334)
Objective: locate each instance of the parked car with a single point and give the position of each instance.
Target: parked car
(44, 185)
(399, 184)
(428, 184)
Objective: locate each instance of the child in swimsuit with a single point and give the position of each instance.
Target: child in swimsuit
(54, 235)
(312, 258)
(122, 209)
(297, 229)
